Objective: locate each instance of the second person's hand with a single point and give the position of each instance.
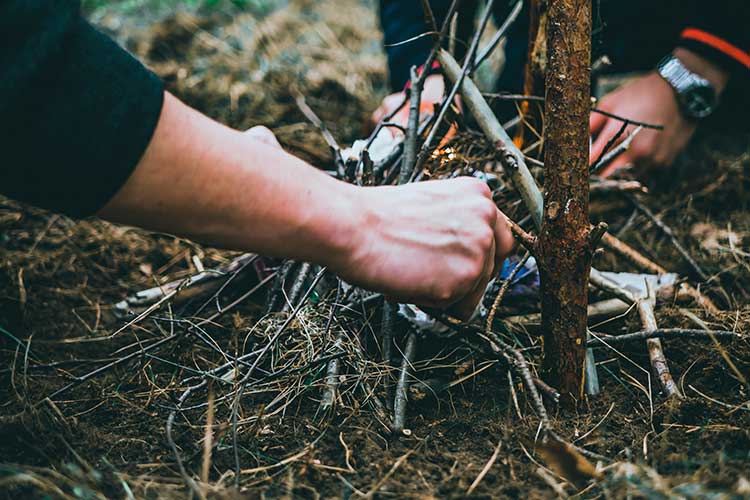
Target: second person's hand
(432, 94)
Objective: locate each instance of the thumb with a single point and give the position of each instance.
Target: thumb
(504, 240)
(264, 135)
(596, 122)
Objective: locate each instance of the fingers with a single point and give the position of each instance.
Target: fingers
(621, 162)
(596, 122)
(501, 247)
(459, 240)
(388, 106)
(504, 240)
(378, 114)
(607, 132)
(465, 307)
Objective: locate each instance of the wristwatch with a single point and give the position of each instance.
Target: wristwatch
(696, 96)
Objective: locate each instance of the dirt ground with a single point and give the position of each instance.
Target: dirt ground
(245, 63)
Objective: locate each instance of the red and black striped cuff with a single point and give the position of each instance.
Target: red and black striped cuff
(716, 48)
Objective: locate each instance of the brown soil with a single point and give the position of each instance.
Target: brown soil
(106, 437)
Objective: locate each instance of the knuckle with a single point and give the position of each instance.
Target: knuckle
(460, 283)
(470, 274)
(260, 130)
(489, 211)
(476, 185)
(482, 188)
(444, 294)
(485, 238)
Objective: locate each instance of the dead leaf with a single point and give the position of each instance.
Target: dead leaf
(568, 462)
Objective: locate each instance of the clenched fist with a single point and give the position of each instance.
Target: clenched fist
(435, 243)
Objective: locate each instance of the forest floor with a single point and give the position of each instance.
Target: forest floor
(105, 437)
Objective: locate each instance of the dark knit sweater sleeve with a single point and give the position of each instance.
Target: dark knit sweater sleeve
(76, 111)
(720, 30)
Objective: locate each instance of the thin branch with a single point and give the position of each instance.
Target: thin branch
(426, 149)
(429, 16)
(332, 373)
(506, 96)
(402, 387)
(327, 136)
(655, 351)
(599, 185)
(518, 363)
(540, 99)
(504, 288)
(410, 143)
(387, 324)
(498, 36)
(670, 234)
(611, 142)
(299, 281)
(665, 333)
(510, 157)
(596, 234)
(411, 39)
(645, 264)
(438, 39)
(627, 120)
(332, 378)
(606, 158)
(528, 241)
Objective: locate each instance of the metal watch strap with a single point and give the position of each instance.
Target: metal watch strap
(683, 81)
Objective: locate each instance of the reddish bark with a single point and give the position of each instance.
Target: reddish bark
(564, 247)
(534, 71)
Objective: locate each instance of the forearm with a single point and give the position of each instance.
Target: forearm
(433, 243)
(203, 180)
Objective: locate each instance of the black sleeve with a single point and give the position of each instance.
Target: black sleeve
(403, 20)
(76, 111)
(720, 30)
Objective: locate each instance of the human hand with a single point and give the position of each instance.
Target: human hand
(650, 99)
(432, 94)
(440, 249)
(647, 99)
(435, 243)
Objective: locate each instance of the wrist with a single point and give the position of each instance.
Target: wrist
(336, 226)
(717, 76)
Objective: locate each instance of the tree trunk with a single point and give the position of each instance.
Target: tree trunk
(564, 248)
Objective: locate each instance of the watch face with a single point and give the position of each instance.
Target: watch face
(699, 101)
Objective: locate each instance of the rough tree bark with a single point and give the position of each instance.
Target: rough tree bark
(564, 247)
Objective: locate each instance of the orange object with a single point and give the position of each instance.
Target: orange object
(741, 56)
